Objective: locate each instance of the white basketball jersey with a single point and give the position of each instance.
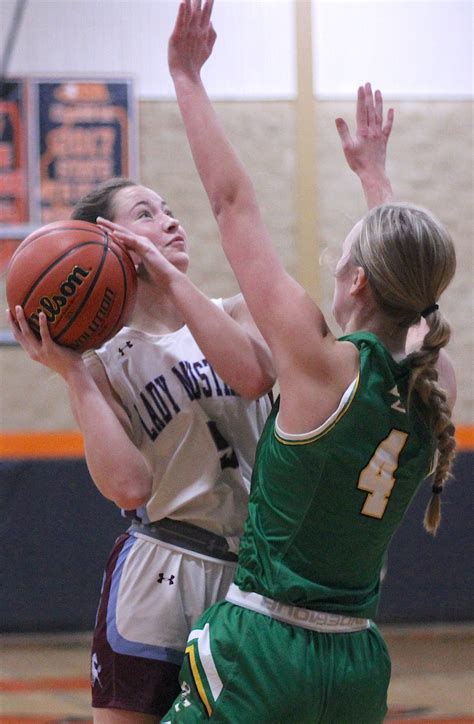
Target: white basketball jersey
(198, 436)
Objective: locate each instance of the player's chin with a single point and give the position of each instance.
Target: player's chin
(179, 259)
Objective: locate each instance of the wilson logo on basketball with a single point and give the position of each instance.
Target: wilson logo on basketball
(100, 318)
(52, 306)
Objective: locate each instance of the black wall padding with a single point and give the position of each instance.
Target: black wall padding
(432, 579)
(56, 532)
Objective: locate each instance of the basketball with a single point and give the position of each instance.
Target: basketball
(83, 280)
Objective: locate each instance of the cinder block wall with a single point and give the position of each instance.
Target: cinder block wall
(430, 162)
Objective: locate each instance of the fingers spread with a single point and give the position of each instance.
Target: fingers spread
(361, 111)
(343, 131)
(369, 104)
(378, 107)
(387, 129)
(206, 13)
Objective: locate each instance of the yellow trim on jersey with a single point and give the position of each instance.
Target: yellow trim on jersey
(317, 436)
(197, 678)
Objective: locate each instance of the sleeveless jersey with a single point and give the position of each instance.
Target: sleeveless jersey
(324, 505)
(198, 436)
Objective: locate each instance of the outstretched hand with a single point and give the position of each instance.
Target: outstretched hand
(367, 150)
(193, 38)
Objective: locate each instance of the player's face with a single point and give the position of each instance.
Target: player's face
(344, 275)
(142, 211)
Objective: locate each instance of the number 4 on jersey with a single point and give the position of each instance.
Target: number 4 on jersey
(228, 457)
(378, 477)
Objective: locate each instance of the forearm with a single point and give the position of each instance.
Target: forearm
(260, 273)
(224, 177)
(233, 201)
(376, 186)
(239, 358)
(117, 467)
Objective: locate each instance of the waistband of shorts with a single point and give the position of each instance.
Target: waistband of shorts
(321, 621)
(185, 535)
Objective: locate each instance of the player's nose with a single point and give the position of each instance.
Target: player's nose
(170, 223)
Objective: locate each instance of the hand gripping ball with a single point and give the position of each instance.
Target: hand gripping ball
(83, 280)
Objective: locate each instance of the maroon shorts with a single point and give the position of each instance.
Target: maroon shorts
(121, 681)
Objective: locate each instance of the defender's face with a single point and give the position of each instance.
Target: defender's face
(342, 300)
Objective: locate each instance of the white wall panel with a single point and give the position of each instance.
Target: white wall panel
(410, 48)
(254, 56)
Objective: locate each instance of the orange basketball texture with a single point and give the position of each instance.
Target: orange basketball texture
(79, 277)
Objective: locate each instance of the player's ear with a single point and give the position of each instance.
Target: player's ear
(359, 280)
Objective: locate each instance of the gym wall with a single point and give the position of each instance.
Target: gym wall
(57, 530)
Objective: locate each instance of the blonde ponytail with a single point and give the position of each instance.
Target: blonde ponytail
(409, 259)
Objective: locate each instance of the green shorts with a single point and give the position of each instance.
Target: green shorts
(243, 667)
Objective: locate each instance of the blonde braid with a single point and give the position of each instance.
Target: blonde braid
(423, 379)
(409, 259)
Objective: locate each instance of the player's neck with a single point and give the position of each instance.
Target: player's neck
(389, 333)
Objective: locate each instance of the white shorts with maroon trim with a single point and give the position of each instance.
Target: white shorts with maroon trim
(151, 595)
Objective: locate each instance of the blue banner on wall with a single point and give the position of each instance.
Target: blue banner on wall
(84, 133)
(13, 156)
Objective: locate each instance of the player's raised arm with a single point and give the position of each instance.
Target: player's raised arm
(276, 301)
(366, 151)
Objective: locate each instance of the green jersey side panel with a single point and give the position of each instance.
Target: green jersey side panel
(322, 510)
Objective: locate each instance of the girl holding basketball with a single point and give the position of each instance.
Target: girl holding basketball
(162, 264)
(357, 428)
(122, 397)
(170, 430)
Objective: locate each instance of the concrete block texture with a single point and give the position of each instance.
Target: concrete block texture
(429, 162)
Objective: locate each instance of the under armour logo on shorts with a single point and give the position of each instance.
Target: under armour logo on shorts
(162, 578)
(95, 670)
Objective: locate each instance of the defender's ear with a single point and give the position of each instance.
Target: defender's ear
(359, 280)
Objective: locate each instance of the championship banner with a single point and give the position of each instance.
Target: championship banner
(85, 132)
(13, 156)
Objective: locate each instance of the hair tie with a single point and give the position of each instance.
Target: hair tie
(437, 489)
(429, 310)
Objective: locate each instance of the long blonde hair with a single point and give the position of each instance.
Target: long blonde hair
(409, 259)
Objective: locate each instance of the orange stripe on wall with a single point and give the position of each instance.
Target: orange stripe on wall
(57, 444)
(49, 684)
(69, 444)
(465, 437)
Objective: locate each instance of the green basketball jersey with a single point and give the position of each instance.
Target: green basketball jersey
(324, 506)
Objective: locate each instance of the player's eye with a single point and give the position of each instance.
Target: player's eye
(144, 213)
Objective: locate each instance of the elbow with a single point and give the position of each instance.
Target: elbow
(221, 204)
(232, 201)
(261, 390)
(259, 379)
(128, 501)
(130, 498)
(128, 493)
(255, 386)
(133, 492)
